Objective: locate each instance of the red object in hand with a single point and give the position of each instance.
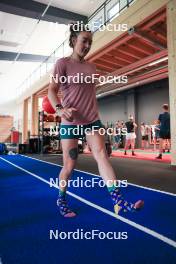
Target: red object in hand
(47, 107)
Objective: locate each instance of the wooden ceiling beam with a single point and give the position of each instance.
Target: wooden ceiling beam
(159, 35)
(131, 52)
(112, 45)
(141, 63)
(154, 21)
(101, 66)
(110, 62)
(139, 46)
(135, 80)
(115, 54)
(149, 41)
(115, 60)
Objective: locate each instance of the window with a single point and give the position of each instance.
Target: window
(113, 12)
(98, 22)
(95, 24)
(123, 4)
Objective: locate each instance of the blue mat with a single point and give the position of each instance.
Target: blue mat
(29, 213)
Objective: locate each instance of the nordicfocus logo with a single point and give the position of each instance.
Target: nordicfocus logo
(80, 182)
(79, 130)
(96, 25)
(87, 235)
(94, 78)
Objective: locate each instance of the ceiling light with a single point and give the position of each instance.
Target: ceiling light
(157, 61)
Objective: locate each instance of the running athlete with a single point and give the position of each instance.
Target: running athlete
(79, 108)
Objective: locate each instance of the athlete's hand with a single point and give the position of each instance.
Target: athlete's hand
(67, 113)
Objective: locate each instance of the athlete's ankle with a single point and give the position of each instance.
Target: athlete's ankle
(120, 204)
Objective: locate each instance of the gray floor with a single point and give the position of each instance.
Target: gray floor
(151, 174)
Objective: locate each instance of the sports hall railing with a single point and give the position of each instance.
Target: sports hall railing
(102, 16)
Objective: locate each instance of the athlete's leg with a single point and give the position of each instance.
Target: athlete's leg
(142, 145)
(164, 145)
(127, 144)
(160, 148)
(169, 144)
(154, 143)
(161, 145)
(70, 154)
(133, 146)
(97, 144)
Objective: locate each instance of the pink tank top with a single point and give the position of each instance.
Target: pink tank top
(80, 95)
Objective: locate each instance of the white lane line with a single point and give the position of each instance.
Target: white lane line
(129, 222)
(92, 174)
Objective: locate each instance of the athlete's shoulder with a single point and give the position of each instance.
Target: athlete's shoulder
(62, 60)
(60, 66)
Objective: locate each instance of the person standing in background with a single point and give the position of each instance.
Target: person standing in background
(164, 133)
(131, 135)
(107, 142)
(117, 137)
(145, 130)
(122, 136)
(155, 131)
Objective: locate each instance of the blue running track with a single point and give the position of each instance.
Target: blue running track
(29, 214)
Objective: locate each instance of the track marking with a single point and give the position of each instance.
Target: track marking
(92, 174)
(101, 209)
